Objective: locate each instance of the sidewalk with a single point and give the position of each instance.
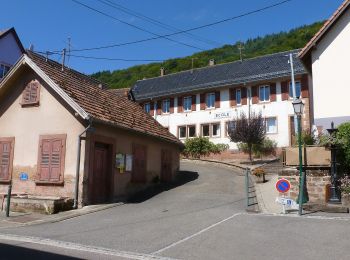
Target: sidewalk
(17, 219)
(266, 195)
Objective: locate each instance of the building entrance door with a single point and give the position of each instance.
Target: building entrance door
(100, 181)
(166, 165)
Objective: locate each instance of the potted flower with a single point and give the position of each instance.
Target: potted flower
(259, 174)
(345, 190)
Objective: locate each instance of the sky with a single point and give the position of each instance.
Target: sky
(48, 24)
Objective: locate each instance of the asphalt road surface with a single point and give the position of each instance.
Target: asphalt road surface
(202, 216)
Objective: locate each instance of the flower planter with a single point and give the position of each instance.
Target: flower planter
(345, 200)
(259, 178)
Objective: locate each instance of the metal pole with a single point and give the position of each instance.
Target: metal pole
(76, 191)
(291, 61)
(247, 186)
(301, 176)
(8, 202)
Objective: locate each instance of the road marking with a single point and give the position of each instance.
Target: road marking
(197, 233)
(80, 247)
(297, 216)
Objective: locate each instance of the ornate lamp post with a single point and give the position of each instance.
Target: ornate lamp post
(298, 107)
(335, 196)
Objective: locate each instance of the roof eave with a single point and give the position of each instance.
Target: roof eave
(108, 123)
(303, 54)
(26, 60)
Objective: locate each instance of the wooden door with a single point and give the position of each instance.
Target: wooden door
(139, 168)
(166, 166)
(101, 178)
(292, 130)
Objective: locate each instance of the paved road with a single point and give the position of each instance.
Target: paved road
(201, 218)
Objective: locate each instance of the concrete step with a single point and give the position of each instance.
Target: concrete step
(330, 208)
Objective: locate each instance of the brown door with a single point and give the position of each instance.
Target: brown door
(139, 168)
(166, 173)
(292, 130)
(100, 181)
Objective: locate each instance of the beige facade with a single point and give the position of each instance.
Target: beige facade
(54, 117)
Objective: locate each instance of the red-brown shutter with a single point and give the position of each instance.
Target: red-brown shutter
(51, 159)
(305, 86)
(244, 96)
(151, 108)
(194, 102)
(179, 104)
(55, 160)
(31, 93)
(255, 96)
(45, 155)
(171, 105)
(202, 101)
(233, 101)
(159, 107)
(5, 156)
(217, 99)
(285, 90)
(273, 92)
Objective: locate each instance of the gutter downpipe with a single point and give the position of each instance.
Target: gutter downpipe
(77, 174)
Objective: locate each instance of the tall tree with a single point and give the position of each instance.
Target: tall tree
(249, 130)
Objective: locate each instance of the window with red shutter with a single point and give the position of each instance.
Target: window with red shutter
(6, 158)
(217, 99)
(273, 96)
(51, 158)
(233, 101)
(31, 94)
(244, 96)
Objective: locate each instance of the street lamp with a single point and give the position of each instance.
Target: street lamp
(298, 107)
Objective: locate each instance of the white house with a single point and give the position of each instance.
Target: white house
(201, 102)
(327, 57)
(11, 50)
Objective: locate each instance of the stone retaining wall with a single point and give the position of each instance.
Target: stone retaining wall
(317, 183)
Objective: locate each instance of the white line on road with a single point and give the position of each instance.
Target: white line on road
(197, 233)
(80, 247)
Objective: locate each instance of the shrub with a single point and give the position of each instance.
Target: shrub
(343, 141)
(201, 146)
(267, 147)
(306, 138)
(345, 184)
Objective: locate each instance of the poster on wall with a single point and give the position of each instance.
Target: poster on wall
(120, 161)
(128, 163)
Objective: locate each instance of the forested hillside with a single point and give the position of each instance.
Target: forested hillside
(283, 41)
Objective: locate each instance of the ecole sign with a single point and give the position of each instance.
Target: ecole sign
(222, 115)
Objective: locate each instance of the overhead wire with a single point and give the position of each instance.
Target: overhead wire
(157, 22)
(135, 26)
(183, 31)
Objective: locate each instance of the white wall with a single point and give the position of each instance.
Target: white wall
(279, 109)
(331, 74)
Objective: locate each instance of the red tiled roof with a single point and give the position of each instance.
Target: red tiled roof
(338, 13)
(120, 92)
(100, 104)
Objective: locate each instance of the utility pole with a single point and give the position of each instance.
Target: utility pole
(240, 48)
(63, 58)
(69, 50)
(193, 64)
(293, 89)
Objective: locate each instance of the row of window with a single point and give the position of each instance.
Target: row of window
(51, 157)
(264, 96)
(214, 129)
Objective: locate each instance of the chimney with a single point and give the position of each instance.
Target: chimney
(31, 47)
(100, 86)
(162, 71)
(211, 62)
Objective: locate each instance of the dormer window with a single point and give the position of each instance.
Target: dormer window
(3, 70)
(31, 94)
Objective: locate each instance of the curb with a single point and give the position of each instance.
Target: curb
(69, 214)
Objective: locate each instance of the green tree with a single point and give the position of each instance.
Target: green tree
(248, 130)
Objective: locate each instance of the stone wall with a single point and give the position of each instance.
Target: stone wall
(317, 183)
